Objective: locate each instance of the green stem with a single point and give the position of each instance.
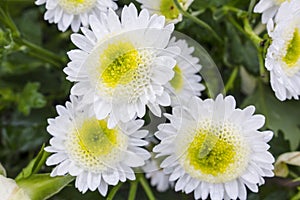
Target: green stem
(114, 191)
(133, 189)
(41, 53)
(236, 24)
(6, 20)
(253, 36)
(231, 79)
(146, 187)
(256, 40)
(262, 70)
(250, 8)
(34, 50)
(238, 12)
(197, 20)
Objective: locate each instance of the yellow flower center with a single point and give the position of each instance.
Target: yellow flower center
(94, 146)
(76, 7)
(119, 63)
(177, 81)
(95, 138)
(278, 2)
(169, 9)
(293, 50)
(211, 154)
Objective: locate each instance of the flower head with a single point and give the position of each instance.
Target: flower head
(283, 56)
(85, 147)
(121, 66)
(66, 13)
(166, 8)
(214, 149)
(186, 81)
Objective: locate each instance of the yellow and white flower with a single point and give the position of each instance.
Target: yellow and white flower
(74, 13)
(186, 81)
(85, 147)
(166, 8)
(122, 66)
(283, 55)
(268, 8)
(214, 149)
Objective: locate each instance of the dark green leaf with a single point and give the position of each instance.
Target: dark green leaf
(280, 116)
(35, 165)
(30, 98)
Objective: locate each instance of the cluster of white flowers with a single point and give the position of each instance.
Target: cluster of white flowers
(283, 56)
(124, 65)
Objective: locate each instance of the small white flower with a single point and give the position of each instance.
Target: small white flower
(156, 175)
(166, 8)
(86, 148)
(268, 8)
(121, 66)
(283, 55)
(9, 190)
(214, 149)
(186, 81)
(66, 13)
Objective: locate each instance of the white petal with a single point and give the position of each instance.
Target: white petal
(133, 160)
(112, 178)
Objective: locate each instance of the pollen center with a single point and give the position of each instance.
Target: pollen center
(120, 71)
(169, 9)
(95, 138)
(211, 154)
(214, 153)
(94, 146)
(119, 63)
(177, 81)
(76, 7)
(293, 50)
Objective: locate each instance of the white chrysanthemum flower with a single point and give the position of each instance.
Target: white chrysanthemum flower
(122, 66)
(66, 13)
(283, 56)
(214, 149)
(186, 81)
(268, 8)
(86, 148)
(166, 8)
(157, 177)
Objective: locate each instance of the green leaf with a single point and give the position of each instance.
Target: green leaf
(42, 186)
(7, 96)
(30, 98)
(296, 196)
(239, 51)
(35, 165)
(280, 116)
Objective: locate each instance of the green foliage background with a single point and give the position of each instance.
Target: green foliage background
(32, 84)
